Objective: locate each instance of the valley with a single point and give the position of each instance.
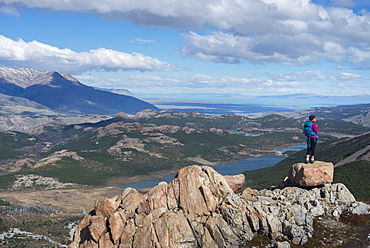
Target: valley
(53, 171)
(102, 153)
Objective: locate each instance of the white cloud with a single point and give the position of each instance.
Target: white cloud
(48, 57)
(289, 32)
(343, 78)
(229, 48)
(9, 11)
(142, 41)
(359, 57)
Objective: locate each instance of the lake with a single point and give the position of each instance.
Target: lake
(225, 169)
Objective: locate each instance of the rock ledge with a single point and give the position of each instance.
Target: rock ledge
(199, 209)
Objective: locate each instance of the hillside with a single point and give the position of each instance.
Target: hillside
(20, 105)
(271, 123)
(28, 122)
(114, 150)
(354, 174)
(62, 93)
(357, 113)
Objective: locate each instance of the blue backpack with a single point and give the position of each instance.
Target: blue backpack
(307, 129)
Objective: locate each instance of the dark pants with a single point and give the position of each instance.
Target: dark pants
(311, 146)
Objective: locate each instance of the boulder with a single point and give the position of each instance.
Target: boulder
(310, 175)
(235, 182)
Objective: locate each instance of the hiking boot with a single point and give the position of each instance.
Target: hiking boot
(306, 161)
(312, 161)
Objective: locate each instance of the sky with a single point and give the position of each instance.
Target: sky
(209, 50)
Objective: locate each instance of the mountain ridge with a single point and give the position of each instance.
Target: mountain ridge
(27, 76)
(63, 93)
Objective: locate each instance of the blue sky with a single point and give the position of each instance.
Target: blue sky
(209, 50)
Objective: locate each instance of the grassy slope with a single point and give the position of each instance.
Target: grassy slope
(355, 176)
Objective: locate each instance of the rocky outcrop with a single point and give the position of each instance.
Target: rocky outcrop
(310, 175)
(31, 181)
(200, 209)
(122, 115)
(146, 113)
(57, 156)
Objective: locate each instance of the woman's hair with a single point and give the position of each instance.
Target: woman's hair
(311, 117)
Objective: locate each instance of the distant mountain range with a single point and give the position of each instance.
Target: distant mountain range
(219, 108)
(32, 89)
(310, 100)
(256, 105)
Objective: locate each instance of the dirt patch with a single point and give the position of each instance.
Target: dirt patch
(77, 200)
(68, 200)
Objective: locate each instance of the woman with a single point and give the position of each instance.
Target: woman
(311, 139)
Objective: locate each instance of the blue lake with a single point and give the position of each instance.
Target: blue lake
(225, 169)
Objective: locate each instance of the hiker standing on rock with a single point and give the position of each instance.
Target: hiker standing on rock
(311, 130)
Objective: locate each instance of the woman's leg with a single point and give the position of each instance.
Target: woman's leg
(313, 147)
(308, 153)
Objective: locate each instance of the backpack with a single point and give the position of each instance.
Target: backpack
(307, 129)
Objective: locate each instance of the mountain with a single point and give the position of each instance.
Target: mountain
(63, 93)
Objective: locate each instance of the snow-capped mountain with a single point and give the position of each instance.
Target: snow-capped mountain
(61, 92)
(27, 76)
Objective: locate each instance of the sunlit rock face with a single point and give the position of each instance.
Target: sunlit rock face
(310, 175)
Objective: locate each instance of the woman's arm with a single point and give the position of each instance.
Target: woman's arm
(315, 128)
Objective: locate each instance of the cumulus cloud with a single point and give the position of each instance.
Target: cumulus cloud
(223, 47)
(288, 32)
(49, 57)
(301, 38)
